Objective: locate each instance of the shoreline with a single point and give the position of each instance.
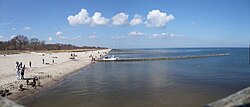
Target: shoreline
(49, 75)
(49, 85)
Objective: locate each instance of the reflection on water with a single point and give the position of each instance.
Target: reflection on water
(178, 83)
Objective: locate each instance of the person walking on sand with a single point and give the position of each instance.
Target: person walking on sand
(17, 64)
(18, 72)
(20, 65)
(22, 72)
(30, 63)
(43, 61)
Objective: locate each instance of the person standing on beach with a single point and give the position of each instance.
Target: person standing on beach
(30, 63)
(20, 65)
(43, 61)
(53, 61)
(22, 72)
(18, 71)
(17, 64)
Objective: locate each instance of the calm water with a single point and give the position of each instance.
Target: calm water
(176, 83)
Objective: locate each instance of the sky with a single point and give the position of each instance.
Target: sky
(130, 23)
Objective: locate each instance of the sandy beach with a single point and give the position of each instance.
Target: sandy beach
(48, 73)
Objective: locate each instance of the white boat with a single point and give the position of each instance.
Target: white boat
(112, 58)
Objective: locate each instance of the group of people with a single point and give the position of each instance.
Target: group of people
(53, 61)
(20, 68)
(92, 57)
(72, 56)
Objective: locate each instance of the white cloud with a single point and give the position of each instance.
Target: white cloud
(12, 36)
(156, 18)
(136, 20)
(92, 37)
(26, 28)
(1, 38)
(13, 28)
(10, 22)
(97, 19)
(50, 38)
(77, 37)
(117, 37)
(81, 18)
(59, 33)
(120, 19)
(61, 37)
(164, 35)
(136, 33)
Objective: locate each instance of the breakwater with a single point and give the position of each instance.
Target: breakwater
(239, 99)
(4, 102)
(165, 58)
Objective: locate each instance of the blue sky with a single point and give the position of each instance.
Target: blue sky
(130, 23)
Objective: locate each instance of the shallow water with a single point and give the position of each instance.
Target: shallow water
(178, 83)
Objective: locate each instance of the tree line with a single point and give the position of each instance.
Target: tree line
(21, 42)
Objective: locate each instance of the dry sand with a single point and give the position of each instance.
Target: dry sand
(47, 73)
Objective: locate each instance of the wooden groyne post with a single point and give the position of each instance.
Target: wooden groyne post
(168, 58)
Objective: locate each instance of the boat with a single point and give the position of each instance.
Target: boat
(112, 58)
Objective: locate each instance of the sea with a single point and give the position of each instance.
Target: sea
(192, 82)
